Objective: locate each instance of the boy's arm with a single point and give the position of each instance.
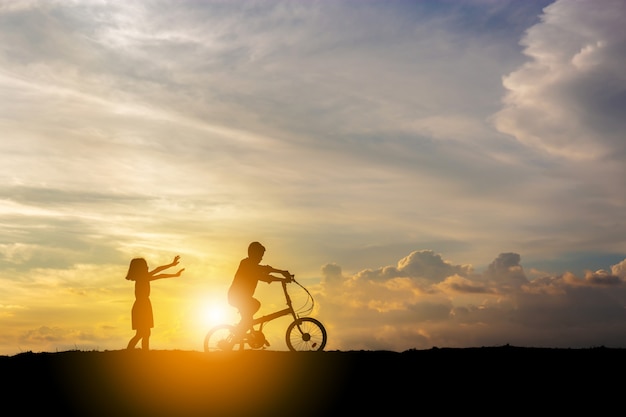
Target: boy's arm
(270, 278)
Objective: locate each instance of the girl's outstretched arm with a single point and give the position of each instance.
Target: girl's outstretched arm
(160, 276)
(164, 267)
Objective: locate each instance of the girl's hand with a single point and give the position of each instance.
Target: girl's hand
(175, 261)
(180, 272)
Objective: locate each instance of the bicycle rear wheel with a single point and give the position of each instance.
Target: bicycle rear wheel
(306, 334)
(220, 338)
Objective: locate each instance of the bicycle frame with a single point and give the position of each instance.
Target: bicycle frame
(277, 314)
(303, 334)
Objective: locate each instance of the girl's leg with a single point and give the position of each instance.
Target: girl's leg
(133, 342)
(145, 341)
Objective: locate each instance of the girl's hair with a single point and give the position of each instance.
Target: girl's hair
(137, 267)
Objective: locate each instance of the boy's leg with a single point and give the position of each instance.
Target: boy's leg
(244, 325)
(247, 311)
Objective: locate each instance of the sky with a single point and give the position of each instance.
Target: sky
(436, 173)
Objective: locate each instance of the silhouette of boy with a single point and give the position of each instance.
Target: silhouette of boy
(249, 273)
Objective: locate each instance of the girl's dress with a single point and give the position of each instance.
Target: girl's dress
(142, 317)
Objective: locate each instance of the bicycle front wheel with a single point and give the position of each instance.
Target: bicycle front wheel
(220, 338)
(306, 334)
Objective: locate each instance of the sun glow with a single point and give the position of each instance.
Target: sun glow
(214, 314)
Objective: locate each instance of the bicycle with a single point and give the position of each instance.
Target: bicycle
(303, 334)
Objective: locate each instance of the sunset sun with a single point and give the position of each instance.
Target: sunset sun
(213, 314)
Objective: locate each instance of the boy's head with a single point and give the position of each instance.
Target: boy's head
(256, 250)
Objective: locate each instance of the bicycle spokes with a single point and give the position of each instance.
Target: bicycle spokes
(306, 334)
(220, 338)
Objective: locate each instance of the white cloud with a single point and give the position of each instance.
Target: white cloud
(569, 99)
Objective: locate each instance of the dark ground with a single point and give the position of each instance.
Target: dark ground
(499, 381)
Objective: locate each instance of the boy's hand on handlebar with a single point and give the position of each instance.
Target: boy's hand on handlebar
(288, 276)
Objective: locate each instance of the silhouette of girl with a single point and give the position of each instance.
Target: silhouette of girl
(142, 318)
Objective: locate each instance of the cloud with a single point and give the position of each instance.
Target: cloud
(433, 299)
(569, 99)
(62, 338)
(418, 265)
(506, 269)
(619, 269)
